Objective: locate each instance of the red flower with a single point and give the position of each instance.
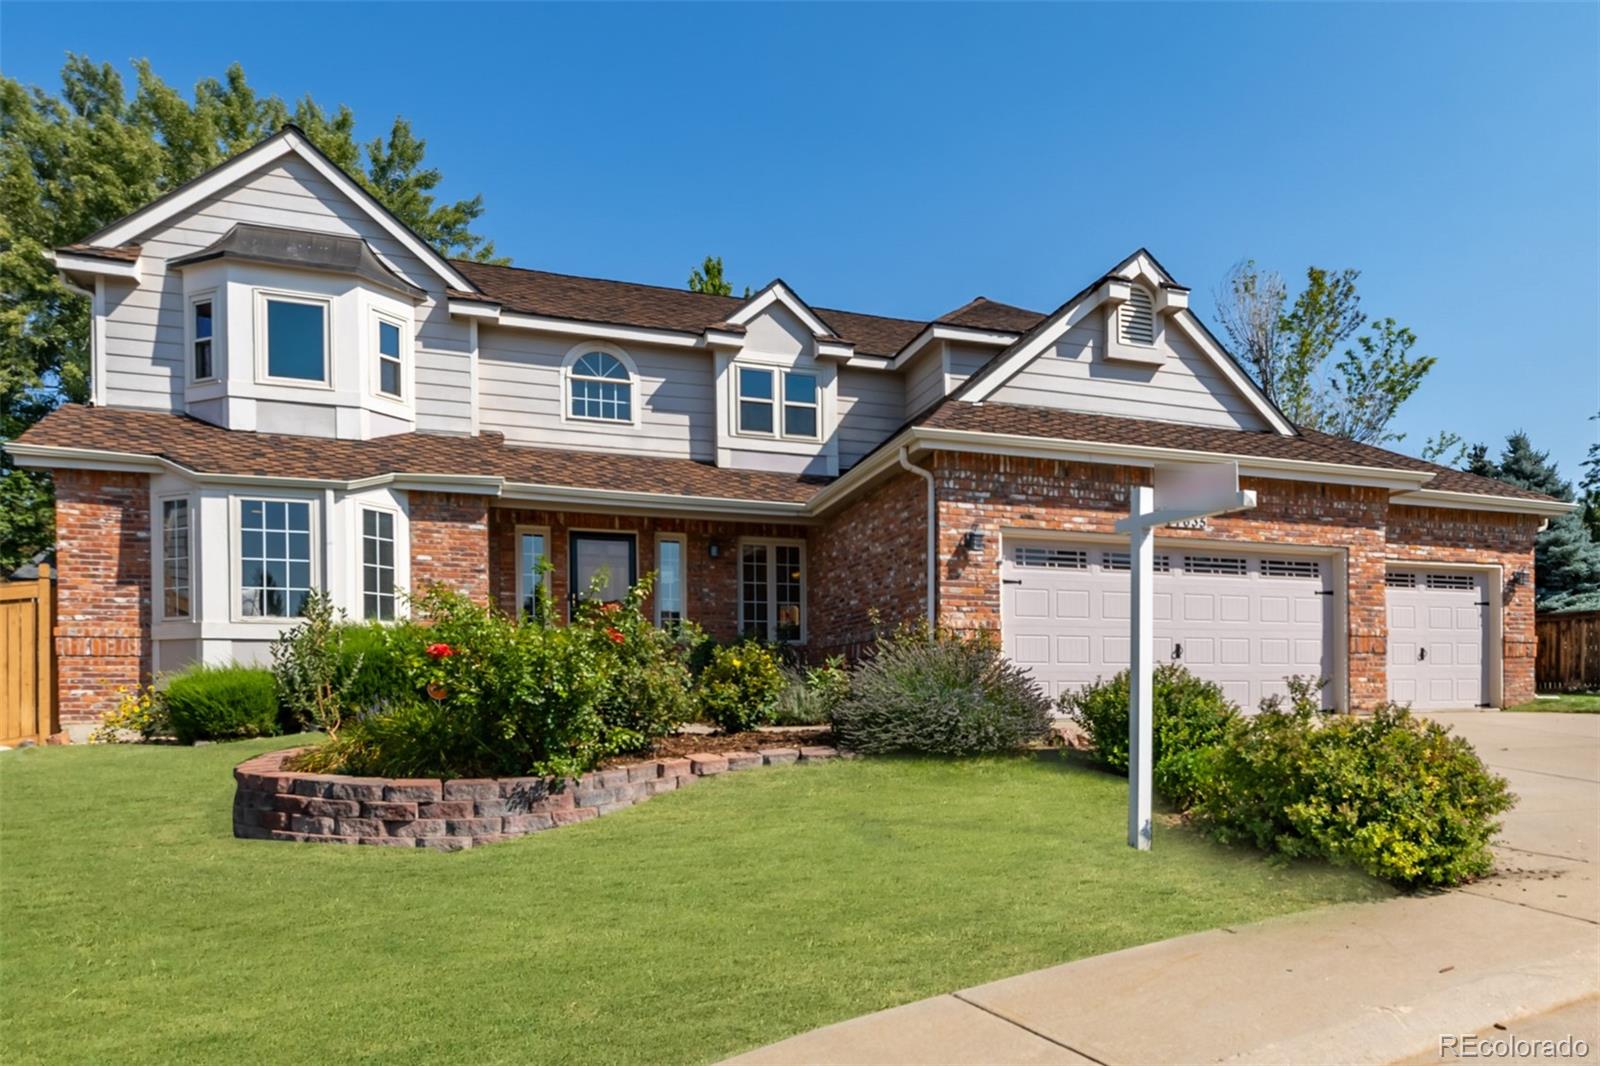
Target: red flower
(615, 635)
(437, 691)
(441, 651)
(611, 608)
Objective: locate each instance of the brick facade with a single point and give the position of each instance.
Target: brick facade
(870, 560)
(450, 543)
(102, 630)
(711, 586)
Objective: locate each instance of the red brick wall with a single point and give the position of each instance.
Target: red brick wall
(1437, 534)
(711, 585)
(871, 558)
(450, 543)
(102, 628)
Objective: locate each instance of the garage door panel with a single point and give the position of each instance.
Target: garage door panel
(1073, 650)
(1308, 653)
(1031, 603)
(1072, 603)
(1274, 608)
(1307, 609)
(1198, 607)
(1441, 616)
(1233, 651)
(1199, 652)
(1162, 602)
(1444, 614)
(1114, 651)
(1233, 608)
(1274, 651)
(1402, 616)
(1115, 605)
(1032, 649)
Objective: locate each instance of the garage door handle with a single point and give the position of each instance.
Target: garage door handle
(1422, 653)
(1011, 581)
(1177, 651)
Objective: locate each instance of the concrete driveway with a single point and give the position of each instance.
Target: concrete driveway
(1362, 983)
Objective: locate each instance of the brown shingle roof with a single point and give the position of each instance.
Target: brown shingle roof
(204, 448)
(627, 303)
(1309, 446)
(984, 313)
(126, 253)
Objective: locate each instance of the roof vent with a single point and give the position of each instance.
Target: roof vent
(1136, 318)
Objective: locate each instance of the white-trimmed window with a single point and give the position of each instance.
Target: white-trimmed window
(599, 388)
(801, 411)
(274, 557)
(294, 338)
(176, 565)
(671, 589)
(533, 551)
(202, 364)
(772, 590)
(768, 395)
(377, 564)
(756, 400)
(389, 336)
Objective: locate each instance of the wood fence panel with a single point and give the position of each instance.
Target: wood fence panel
(27, 659)
(1568, 658)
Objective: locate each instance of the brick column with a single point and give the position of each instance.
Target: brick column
(450, 543)
(102, 631)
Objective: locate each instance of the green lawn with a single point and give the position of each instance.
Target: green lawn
(1569, 702)
(137, 929)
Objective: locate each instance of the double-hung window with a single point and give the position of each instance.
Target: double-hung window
(296, 338)
(389, 360)
(377, 565)
(759, 403)
(274, 558)
(175, 571)
(203, 365)
(600, 388)
(772, 590)
(533, 572)
(670, 588)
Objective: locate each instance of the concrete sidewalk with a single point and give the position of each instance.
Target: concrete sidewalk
(1363, 983)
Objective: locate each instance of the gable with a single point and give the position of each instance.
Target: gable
(776, 330)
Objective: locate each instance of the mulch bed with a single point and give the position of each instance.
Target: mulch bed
(678, 745)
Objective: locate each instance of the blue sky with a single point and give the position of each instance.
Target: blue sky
(901, 159)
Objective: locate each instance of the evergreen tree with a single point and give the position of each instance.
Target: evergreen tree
(1566, 558)
(708, 278)
(1589, 487)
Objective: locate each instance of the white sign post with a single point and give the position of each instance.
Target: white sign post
(1183, 492)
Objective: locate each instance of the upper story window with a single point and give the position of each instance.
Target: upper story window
(274, 557)
(389, 360)
(203, 365)
(1136, 318)
(759, 391)
(600, 387)
(296, 338)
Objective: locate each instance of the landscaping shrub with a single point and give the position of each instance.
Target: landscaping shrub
(647, 691)
(925, 690)
(739, 687)
(222, 703)
(812, 695)
(317, 664)
(1190, 715)
(1391, 794)
(141, 713)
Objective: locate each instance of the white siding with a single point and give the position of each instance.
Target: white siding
(145, 326)
(924, 381)
(966, 361)
(1073, 375)
(871, 407)
(520, 395)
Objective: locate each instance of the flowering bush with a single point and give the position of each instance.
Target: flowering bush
(140, 715)
(739, 687)
(812, 694)
(646, 668)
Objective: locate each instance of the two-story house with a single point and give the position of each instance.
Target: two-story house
(292, 391)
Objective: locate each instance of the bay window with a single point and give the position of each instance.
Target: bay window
(274, 558)
(203, 367)
(296, 339)
(389, 360)
(175, 555)
(377, 565)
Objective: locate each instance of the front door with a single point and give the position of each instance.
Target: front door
(612, 557)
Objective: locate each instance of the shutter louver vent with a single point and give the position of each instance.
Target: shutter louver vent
(1136, 319)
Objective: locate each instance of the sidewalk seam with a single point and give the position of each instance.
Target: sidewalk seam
(1528, 906)
(1027, 1029)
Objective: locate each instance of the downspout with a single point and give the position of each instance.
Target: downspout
(933, 535)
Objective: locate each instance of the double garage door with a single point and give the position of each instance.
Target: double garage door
(1243, 620)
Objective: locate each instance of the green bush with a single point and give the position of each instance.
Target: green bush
(1190, 716)
(221, 703)
(739, 687)
(316, 665)
(944, 693)
(647, 691)
(812, 695)
(1391, 794)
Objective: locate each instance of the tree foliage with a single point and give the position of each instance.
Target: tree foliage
(74, 161)
(1566, 557)
(708, 278)
(1589, 486)
(1289, 349)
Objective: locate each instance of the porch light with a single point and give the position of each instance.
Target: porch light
(973, 540)
(713, 549)
(1519, 578)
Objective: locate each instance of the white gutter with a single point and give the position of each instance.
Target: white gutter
(933, 536)
(1474, 502)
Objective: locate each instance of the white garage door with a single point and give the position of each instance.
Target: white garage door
(1437, 626)
(1245, 621)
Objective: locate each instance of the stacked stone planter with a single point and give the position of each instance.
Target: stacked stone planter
(271, 803)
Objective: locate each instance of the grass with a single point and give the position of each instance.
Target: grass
(1568, 702)
(137, 929)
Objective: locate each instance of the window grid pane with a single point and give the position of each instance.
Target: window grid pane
(753, 590)
(669, 585)
(275, 558)
(175, 558)
(787, 582)
(202, 340)
(533, 555)
(608, 400)
(755, 401)
(294, 341)
(377, 565)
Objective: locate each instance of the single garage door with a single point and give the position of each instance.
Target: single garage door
(1245, 621)
(1437, 627)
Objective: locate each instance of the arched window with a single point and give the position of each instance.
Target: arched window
(1136, 319)
(600, 387)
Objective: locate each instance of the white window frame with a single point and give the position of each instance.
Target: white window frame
(402, 360)
(191, 338)
(160, 556)
(362, 508)
(682, 542)
(635, 388)
(785, 403)
(772, 585)
(263, 376)
(773, 372)
(522, 578)
(236, 551)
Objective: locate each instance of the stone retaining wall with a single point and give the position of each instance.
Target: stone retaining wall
(271, 803)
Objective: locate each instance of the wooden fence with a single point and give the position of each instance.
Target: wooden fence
(27, 678)
(1569, 652)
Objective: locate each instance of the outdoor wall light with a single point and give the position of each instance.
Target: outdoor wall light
(972, 541)
(713, 549)
(1519, 578)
